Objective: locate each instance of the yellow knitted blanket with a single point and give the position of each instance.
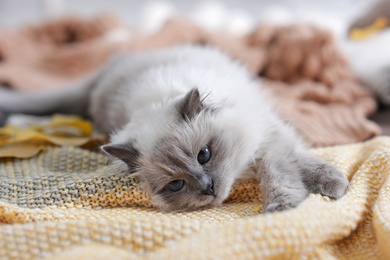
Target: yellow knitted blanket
(66, 203)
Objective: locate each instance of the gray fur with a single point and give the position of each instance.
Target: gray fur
(142, 99)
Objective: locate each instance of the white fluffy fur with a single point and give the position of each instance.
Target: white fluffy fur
(171, 75)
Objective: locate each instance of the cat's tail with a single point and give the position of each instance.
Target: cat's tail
(69, 100)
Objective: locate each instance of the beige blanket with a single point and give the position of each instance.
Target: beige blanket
(306, 75)
(67, 204)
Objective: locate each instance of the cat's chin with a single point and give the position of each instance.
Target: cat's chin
(205, 203)
(217, 202)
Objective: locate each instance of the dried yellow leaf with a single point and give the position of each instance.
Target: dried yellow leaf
(363, 33)
(61, 130)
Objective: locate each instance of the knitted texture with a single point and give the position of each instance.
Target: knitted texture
(308, 77)
(66, 203)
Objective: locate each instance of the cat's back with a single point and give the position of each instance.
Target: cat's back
(168, 73)
(131, 82)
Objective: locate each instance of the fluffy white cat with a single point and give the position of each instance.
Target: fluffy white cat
(189, 122)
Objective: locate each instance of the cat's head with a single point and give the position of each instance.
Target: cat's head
(185, 161)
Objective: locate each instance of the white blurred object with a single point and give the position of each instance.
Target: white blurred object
(118, 35)
(240, 23)
(155, 14)
(210, 15)
(370, 61)
(54, 8)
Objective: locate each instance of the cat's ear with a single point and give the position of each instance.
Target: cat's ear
(125, 152)
(191, 105)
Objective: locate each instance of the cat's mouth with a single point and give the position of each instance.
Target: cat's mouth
(208, 200)
(215, 199)
(221, 192)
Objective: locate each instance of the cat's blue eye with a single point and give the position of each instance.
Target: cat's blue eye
(204, 155)
(175, 185)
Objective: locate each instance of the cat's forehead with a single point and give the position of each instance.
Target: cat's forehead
(184, 141)
(173, 154)
(179, 152)
(180, 155)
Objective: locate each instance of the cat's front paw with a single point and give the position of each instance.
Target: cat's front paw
(326, 180)
(333, 184)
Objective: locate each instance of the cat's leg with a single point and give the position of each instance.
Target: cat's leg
(68, 101)
(288, 173)
(281, 184)
(72, 99)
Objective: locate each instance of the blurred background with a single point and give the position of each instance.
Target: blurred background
(142, 14)
(327, 61)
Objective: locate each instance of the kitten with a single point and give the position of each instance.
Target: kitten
(189, 122)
